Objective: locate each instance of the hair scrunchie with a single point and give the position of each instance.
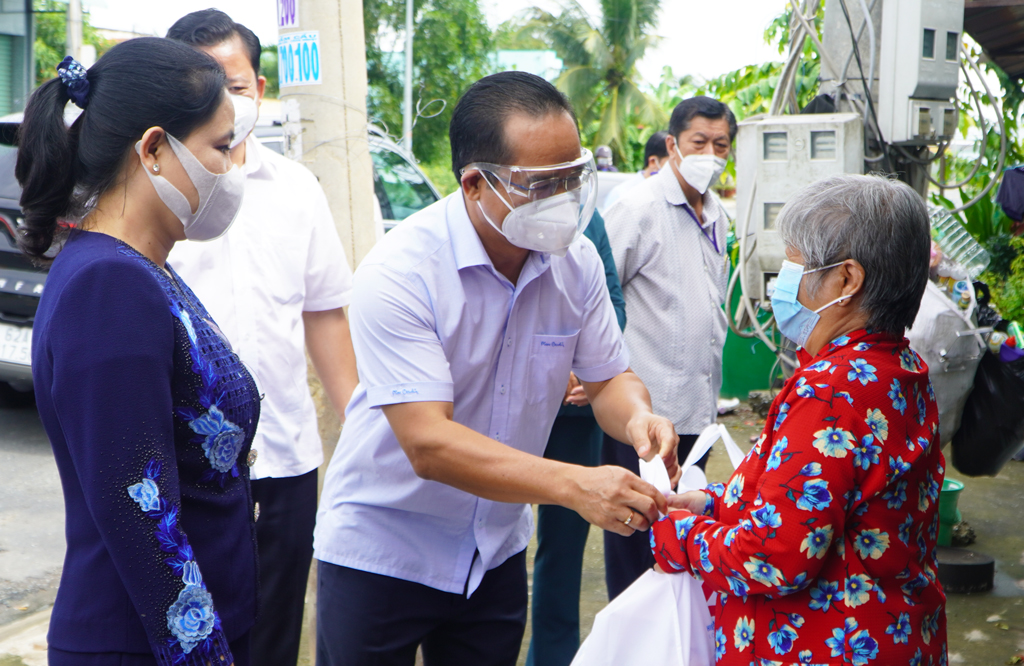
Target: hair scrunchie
(75, 80)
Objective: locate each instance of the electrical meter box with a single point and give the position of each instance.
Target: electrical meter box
(776, 157)
(919, 70)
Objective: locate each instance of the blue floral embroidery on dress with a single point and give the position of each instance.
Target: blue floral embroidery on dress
(221, 439)
(186, 321)
(191, 619)
(146, 494)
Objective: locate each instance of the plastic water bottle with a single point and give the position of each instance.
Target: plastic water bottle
(957, 243)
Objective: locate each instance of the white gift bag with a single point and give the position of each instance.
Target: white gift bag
(661, 619)
(693, 477)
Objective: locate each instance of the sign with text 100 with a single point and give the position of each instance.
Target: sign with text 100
(298, 58)
(287, 14)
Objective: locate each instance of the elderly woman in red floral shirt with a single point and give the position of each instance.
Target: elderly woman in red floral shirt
(822, 543)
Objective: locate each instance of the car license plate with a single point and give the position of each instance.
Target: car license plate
(16, 344)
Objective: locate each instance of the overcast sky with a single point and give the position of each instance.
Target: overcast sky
(699, 37)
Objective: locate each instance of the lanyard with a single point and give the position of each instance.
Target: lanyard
(710, 228)
(711, 236)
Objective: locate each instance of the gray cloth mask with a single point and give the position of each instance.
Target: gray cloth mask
(220, 195)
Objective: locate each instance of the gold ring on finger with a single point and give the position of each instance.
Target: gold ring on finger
(627, 521)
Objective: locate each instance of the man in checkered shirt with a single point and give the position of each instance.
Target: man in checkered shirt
(668, 239)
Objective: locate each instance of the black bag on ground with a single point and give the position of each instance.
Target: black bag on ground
(992, 428)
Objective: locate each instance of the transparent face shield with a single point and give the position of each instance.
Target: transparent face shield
(549, 206)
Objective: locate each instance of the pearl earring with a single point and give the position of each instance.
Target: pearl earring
(156, 168)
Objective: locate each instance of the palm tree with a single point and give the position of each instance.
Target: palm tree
(600, 75)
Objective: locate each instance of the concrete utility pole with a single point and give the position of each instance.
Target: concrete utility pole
(323, 92)
(407, 114)
(322, 72)
(74, 29)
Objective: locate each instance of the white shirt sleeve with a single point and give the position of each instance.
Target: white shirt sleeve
(600, 350)
(328, 278)
(398, 353)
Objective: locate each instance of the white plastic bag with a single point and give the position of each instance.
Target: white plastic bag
(693, 477)
(661, 619)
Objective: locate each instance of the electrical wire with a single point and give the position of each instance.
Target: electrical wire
(841, 82)
(867, 89)
(746, 311)
(871, 45)
(1002, 137)
(796, 46)
(984, 134)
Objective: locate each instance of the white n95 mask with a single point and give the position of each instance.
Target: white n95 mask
(559, 202)
(700, 171)
(546, 225)
(220, 195)
(246, 114)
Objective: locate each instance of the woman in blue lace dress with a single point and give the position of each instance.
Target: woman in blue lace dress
(149, 412)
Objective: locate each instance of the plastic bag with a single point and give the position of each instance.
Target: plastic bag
(992, 427)
(660, 619)
(693, 477)
(940, 336)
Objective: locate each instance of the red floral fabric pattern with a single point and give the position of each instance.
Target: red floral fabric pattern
(822, 543)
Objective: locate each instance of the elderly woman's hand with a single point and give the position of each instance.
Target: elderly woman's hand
(692, 501)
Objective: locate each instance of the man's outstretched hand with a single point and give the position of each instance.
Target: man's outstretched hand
(615, 499)
(654, 435)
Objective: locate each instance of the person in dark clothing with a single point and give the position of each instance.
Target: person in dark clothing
(149, 412)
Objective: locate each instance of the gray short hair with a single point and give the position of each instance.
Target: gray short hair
(880, 222)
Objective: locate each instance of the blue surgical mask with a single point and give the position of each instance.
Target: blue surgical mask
(795, 320)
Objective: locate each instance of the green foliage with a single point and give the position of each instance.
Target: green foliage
(600, 75)
(1001, 250)
(268, 68)
(779, 30)
(440, 174)
(51, 37)
(748, 90)
(1007, 286)
(984, 220)
(451, 49)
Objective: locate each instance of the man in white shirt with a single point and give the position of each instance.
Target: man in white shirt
(467, 320)
(668, 238)
(275, 284)
(655, 157)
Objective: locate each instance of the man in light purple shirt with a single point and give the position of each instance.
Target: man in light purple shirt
(467, 320)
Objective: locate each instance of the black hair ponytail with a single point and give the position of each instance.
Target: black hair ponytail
(138, 84)
(45, 168)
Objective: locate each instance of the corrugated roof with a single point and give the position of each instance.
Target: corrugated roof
(998, 26)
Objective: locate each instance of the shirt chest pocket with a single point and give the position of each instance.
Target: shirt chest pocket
(550, 364)
(284, 267)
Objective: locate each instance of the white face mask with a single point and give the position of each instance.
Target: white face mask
(220, 195)
(546, 225)
(246, 113)
(700, 171)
